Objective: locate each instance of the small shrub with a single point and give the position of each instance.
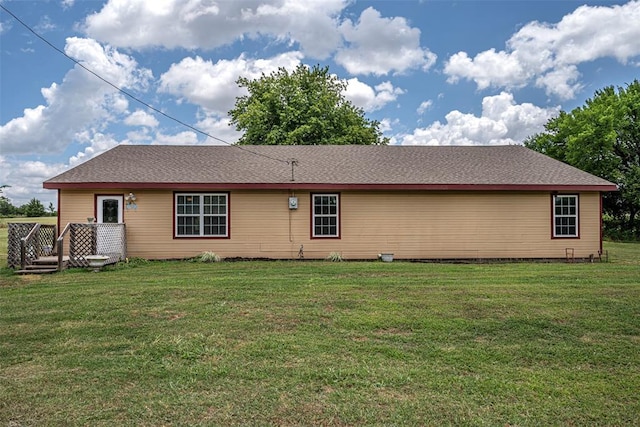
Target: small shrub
(335, 257)
(209, 257)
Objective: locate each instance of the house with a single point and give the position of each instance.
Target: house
(284, 202)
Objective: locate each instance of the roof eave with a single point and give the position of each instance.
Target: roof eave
(326, 186)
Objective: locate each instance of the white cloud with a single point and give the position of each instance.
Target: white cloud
(488, 68)
(45, 25)
(593, 32)
(181, 138)
(140, 136)
(116, 67)
(25, 180)
(550, 53)
(220, 128)
(208, 24)
(424, 107)
(370, 99)
(141, 118)
(80, 102)
(378, 46)
(213, 86)
(562, 82)
(502, 122)
(386, 125)
(99, 143)
(25, 177)
(375, 45)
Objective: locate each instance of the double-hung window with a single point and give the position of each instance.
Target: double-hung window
(202, 214)
(326, 215)
(565, 215)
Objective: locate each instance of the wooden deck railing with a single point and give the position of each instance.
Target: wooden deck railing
(29, 241)
(26, 245)
(60, 247)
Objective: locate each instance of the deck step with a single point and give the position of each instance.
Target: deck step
(43, 265)
(49, 260)
(36, 271)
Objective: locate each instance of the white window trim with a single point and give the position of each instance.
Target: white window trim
(576, 216)
(100, 207)
(314, 216)
(201, 215)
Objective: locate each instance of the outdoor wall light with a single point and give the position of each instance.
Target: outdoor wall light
(131, 201)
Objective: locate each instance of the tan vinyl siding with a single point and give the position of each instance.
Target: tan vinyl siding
(412, 225)
(467, 225)
(76, 206)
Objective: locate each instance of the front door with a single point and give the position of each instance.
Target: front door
(108, 211)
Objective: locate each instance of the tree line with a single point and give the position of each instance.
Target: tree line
(34, 208)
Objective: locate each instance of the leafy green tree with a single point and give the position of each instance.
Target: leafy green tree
(34, 208)
(6, 208)
(304, 107)
(51, 209)
(603, 137)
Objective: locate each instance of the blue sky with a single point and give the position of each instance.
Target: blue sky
(432, 72)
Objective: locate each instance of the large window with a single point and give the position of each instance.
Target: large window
(202, 215)
(565, 215)
(326, 215)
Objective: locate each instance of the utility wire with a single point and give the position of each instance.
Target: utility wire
(130, 95)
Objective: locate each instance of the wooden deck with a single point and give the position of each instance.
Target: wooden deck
(43, 265)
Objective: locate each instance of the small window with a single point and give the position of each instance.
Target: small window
(326, 215)
(565, 215)
(202, 215)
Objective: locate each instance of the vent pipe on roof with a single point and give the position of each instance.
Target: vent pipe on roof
(293, 163)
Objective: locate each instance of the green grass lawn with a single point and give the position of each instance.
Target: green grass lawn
(320, 343)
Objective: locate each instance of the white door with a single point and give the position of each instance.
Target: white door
(109, 211)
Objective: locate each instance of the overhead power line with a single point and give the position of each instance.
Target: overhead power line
(130, 95)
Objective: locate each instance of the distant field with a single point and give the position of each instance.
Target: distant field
(42, 220)
(321, 343)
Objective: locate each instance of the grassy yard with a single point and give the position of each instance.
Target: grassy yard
(320, 343)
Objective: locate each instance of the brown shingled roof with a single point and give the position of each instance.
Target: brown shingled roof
(334, 166)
